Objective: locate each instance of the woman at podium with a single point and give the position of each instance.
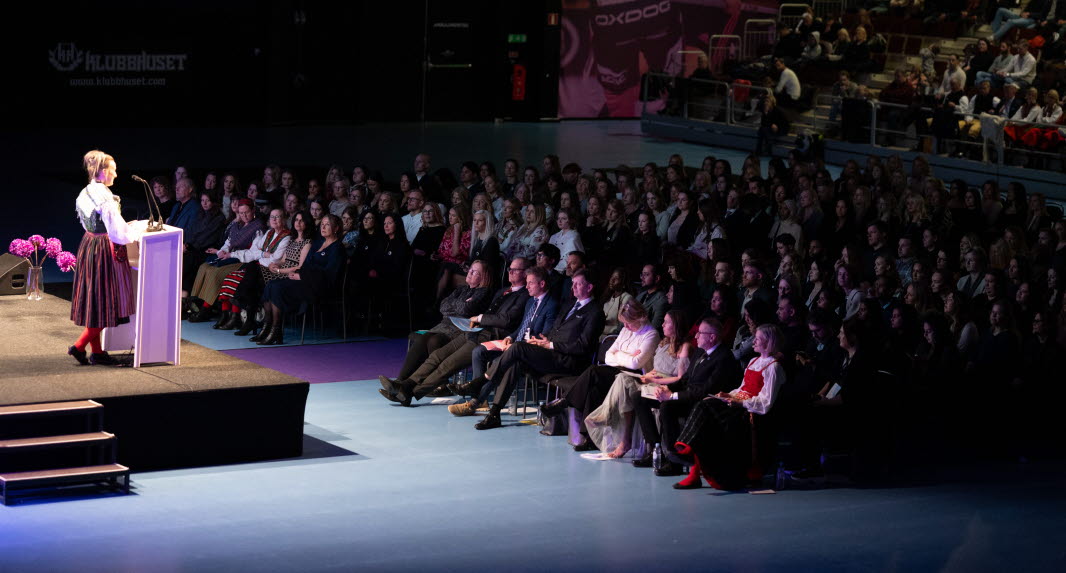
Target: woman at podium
(103, 285)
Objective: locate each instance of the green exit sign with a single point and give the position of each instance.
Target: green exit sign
(516, 38)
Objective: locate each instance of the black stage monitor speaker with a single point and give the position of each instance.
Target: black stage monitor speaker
(13, 271)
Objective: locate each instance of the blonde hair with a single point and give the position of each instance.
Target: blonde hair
(95, 161)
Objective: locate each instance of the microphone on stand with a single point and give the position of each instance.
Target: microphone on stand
(154, 225)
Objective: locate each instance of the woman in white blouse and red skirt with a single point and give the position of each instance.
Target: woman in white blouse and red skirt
(718, 433)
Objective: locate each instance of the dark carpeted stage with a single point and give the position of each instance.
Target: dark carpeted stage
(212, 409)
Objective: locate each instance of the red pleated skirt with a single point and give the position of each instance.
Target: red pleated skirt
(103, 284)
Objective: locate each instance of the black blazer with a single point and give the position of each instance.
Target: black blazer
(504, 314)
(707, 375)
(578, 336)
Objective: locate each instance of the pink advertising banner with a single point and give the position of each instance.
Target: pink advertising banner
(607, 45)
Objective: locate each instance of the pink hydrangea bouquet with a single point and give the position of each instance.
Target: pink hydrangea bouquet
(36, 249)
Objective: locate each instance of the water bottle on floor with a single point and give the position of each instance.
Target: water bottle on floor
(657, 456)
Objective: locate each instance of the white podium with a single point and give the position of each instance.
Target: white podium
(154, 330)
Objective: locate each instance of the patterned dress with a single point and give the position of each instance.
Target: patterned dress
(291, 258)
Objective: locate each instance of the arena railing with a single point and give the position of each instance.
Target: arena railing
(792, 14)
(824, 8)
(722, 48)
(734, 104)
(759, 33)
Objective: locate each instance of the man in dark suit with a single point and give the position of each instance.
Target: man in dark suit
(751, 285)
(568, 348)
(504, 313)
(536, 319)
(712, 369)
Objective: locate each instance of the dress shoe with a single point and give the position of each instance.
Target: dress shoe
(222, 318)
(644, 462)
(669, 469)
(586, 446)
(264, 331)
(693, 485)
(403, 396)
(471, 388)
(275, 337)
(463, 408)
(78, 355)
(202, 315)
(102, 359)
(388, 395)
(489, 422)
(441, 392)
(388, 383)
(554, 407)
(233, 322)
(247, 327)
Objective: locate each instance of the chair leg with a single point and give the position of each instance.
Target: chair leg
(303, 329)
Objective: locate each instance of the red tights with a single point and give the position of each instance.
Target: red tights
(90, 337)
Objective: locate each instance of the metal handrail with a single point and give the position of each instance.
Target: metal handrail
(747, 50)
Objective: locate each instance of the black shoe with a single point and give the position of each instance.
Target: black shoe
(223, 317)
(246, 329)
(586, 446)
(233, 322)
(554, 407)
(489, 422)
(388, 396)
(202, 315)
(693, 485)
(441, 392)
(403, 396)
(264, 331)
(644, 462)
(456, 389)
(275, 337)
(471, 388)
(388, 383)
(670, 469)
(102, 359)
(78, 355)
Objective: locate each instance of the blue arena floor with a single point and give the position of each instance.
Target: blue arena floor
(382, 487)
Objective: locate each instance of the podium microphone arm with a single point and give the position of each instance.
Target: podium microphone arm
(154, 225)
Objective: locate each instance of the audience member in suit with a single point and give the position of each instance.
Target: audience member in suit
(537, 319)
(503, 314)
(567, 348)
(632, 351)
(712, 369)
(652, 295)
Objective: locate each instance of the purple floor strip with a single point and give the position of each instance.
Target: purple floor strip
(319, 363)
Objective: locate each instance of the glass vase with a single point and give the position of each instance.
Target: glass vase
(34, 283)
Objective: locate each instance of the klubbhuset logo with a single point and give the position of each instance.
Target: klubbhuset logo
(66, 57)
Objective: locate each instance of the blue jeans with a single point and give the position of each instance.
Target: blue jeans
(998, 81)
(1006, 20)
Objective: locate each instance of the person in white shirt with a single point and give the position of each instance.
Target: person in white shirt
(632, 351)
(1022, 69)
(788, 88)
(953, 71)
(412, 221)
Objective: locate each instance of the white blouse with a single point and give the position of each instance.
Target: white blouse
(642, 342)
(255, 252)
(566, 241)
(773, 375)
(96, 197)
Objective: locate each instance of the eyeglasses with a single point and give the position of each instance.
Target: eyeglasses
(541, 255)
(705, 332)
(515, 270)
(275, 217)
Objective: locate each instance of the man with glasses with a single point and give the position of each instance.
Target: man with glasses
(653, 296)
(537, 318)
(712, 369)
(504, 314)
(412, 221)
